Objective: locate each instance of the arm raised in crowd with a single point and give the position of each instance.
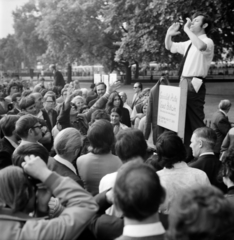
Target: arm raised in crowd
(80, 207)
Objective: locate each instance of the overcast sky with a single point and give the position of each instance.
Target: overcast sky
(6, 18)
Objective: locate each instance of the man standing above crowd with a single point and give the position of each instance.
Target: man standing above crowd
(58, 79)
(198, 53)
(137, 89)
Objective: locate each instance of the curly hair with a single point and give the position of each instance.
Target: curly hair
(110, 103)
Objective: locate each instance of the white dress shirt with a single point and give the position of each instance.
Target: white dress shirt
(197, 62)
(144, 230)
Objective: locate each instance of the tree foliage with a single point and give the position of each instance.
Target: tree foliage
(26, 19)
(11, 55)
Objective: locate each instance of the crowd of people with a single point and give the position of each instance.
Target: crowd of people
(80, 163)
(75, 164)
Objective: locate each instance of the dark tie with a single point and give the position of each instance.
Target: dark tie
(183, 61)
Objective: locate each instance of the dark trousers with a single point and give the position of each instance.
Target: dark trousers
(195, 110)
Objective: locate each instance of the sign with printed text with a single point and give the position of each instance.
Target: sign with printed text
(169, 107)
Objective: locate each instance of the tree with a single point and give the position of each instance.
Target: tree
(10, 55)
(74, 31)
(25, 22)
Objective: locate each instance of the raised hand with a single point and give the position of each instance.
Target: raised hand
(187, 24)
(173, 30)
(36, 167)
(116, 85)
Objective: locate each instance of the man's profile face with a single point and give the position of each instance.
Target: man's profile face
(101, 90)
(197, 24)
(136, 88)
(123, 96)
(195, 145)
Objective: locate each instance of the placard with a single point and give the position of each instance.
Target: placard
(169, 107)
(97, 78)
(113, 78)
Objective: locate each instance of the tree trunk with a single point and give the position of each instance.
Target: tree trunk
(136, 71)
(128, 74)
(69, 73)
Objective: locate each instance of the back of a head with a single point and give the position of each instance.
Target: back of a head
(68, 141)
(99, 114)
(7, 124)
(24, 123)
(15, 189)
(26, 102)
(207, 135)
(225, 105)
(130, 143)
(101, 136)
(29, 149)
(201, 213)
(137, 191)
(170, 149)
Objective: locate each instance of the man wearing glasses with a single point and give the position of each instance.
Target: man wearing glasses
(137, 89)
(28, 128)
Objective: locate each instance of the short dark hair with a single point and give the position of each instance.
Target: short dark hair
(26, 102)
(200, 213)
(227, 169)
(24, 123)
(206, 19)
(7, 124)
(137, 191)
(10, 85)
(117, 110)
(101, 83)
(14, 97)
(170, 149)
(101, 136)
(130, 143)
(99, 114)
(51, 96)
(208, 136)
(28, 149)
(139, 85)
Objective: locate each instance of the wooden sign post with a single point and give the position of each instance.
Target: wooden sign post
(172, 107)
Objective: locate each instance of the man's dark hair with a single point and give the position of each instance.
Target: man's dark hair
(99, 114)
(130, 143)
(101, 136)
(170, 149)
(101, 83)
(51, 96)
(138, 192)
(139, 85)
(24, 123)
(28, 149)
(12, 84)
(205, 19)
(207, 135)
(26, 102)
(7, 124)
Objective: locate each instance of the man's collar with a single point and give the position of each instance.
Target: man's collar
(144, 230)
(206, 153)
(65, 162)
(225, 114)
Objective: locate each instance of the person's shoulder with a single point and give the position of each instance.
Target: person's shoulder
(107, 181)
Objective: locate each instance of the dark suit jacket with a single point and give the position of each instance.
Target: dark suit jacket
(211, 166)
(221, 126)
(58, 79)
(46, 117)
(93, 101)
(63, 170)
(6, 151)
